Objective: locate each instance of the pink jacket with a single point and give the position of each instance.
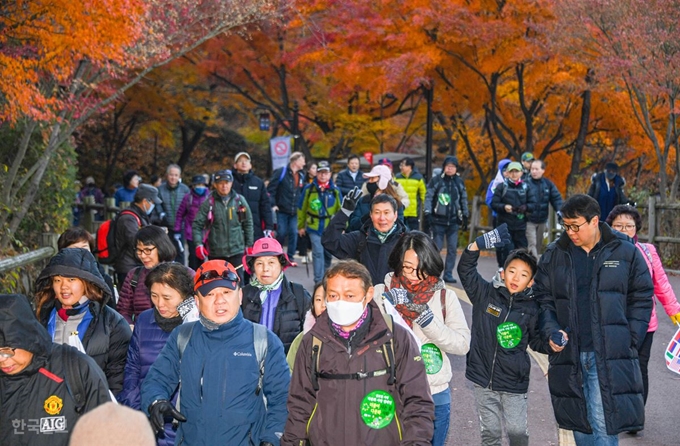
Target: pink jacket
(662, 288)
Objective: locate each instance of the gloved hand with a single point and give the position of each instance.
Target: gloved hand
(494, 239)
(158, 410)
(522, 209)
(676, 318)
(349, 203)
(268, 233)
(399, 296)
(464, 224)
(201, 252)
(178, 237)
(558, 338)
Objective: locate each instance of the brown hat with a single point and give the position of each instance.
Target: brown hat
(113, 424)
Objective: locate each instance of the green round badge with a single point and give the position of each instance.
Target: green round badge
(508, 334)
(377, 409)
(444, 199)
(432, 357)
(315, 204)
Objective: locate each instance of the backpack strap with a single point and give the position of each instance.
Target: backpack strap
(184, 332)
(261, 345)
(135, 278)
(129, 212)
(74, 384)
(648, 253)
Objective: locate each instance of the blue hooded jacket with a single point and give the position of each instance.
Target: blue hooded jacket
(220, 374)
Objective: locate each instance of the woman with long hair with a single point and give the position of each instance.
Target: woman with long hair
(71, 303)
(433, 313)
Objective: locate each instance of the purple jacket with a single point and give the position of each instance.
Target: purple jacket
(187, 211)
(147, 342)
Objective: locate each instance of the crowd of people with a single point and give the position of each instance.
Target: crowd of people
(218, 346)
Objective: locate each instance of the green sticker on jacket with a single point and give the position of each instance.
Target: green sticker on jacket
(315, 204)
(432, 357)
(444, 199)
(377, 409)
(509, 334)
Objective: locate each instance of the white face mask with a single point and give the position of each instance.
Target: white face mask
(345, 313)
(150, 210)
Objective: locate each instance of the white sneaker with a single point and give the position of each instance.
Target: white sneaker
(304, 260)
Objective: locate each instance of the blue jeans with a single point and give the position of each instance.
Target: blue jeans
(320, 257)
(286, 225)
(593, 395)
(442, 417)
(451, 234)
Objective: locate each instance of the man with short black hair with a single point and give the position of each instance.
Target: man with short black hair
(253, 189)
(596, 297)
(351, 177)
(414, 184)
(373, 243)
(358, 377)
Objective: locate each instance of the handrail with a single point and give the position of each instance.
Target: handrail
(27, 258)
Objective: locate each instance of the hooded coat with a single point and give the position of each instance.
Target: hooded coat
(26, 415)
(621, 304)
(107, 335)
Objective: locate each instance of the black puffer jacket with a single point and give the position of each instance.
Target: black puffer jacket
(108, 334)
(284, 192)
(515, 195)
(362, 245)
(489, 364)
(126, 230)
(290, 310)
(253, 189)
(36, 401)
(457, 209)
(621, 305)
(545, 193)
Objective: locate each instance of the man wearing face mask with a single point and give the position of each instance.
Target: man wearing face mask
(127, 225)
(358, 377)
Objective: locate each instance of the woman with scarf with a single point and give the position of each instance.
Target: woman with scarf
(433, 313)
(172, 287)
(71, 303)
(271, 299)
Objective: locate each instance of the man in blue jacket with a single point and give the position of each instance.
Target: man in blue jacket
(226, 397)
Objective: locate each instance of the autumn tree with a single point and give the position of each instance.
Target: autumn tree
(61, 62)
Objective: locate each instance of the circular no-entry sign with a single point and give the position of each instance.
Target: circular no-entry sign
(280, 148)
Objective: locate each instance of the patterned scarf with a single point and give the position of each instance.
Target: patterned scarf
(382, 236)
(337, 329)
(262, 287)
(422, 293)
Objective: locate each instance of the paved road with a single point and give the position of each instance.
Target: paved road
(663, 405)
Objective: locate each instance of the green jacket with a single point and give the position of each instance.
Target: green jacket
(415, 189)
(316, 208)
(229, 234)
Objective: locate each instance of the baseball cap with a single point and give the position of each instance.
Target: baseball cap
(266, 246)
(198, 179)
(89, 180)
(527, 156)
(213, 274)
(148, 192)
(323, 165)
(514, 166)
(385, 161)
(223, 175)
(380, 171)
(240, 154)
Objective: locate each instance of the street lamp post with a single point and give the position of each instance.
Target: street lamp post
(429, 95)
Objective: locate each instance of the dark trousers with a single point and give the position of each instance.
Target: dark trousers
(518, 239)
(303, 245)
(413, 223)
(644, 352)
(194, 262)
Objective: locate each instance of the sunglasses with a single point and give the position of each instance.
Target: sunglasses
(7, 352)
(212, 275)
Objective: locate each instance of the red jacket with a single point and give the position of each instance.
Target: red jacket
(332, 415)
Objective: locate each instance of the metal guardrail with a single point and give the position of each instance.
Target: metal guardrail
(27, 258)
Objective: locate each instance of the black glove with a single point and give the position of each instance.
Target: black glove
(160, 409)
(351, 199)
(494, 239)
(522, 209)
(464, 224)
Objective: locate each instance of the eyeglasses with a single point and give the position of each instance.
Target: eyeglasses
(145, 251)
(573, 228)
(212, 275)
(623, 227)
(7, 352)
(408, 269)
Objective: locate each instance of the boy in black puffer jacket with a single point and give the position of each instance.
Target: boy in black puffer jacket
(504, 324)
(512, 200)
